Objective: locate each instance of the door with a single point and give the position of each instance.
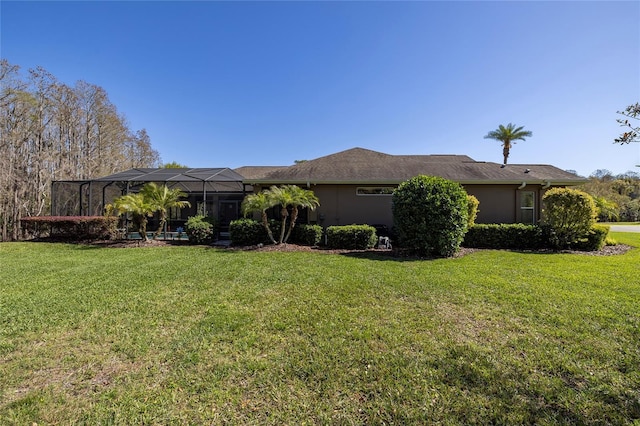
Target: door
(229, 210)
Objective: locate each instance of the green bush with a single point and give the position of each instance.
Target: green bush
(199, 230)
(308, 235)
(351, 237)
(430, 215)
(568, 214)
(247, 232)
(472, 210)
(594, 240)
(515, 236)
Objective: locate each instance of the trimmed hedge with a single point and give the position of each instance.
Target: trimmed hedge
(518, 236)
(505, 236)
(351, 237)
(247, 232)
(71, 228)
(430, 215)
(307, 235)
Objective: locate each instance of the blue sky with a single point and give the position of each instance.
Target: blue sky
(226, 84)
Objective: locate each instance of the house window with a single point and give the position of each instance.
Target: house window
(375, 190)
(527, 206)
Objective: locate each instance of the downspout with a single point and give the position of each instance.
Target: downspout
(523, 185)
(547, 184)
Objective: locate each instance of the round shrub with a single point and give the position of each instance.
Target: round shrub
(430, 215)
(568, 215)
(199, 230)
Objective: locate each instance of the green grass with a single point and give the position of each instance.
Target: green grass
(191, 335)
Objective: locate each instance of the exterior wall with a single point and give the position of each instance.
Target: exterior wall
(340, 205)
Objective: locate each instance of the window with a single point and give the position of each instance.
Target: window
(527, 206)
(375, 190)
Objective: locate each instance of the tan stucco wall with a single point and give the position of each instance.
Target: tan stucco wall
(339, 204)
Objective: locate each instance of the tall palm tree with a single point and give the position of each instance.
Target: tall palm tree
(259, 202)
(300, 198)
(508, 135)
(163, 199)
(139, 207)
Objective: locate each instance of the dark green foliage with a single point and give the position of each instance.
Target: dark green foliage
(71, 228)
(569, 214)
(308, 235)
(515, 236)
(199, 230)
(594, 240)
(247, 232)
(430, 215)
(351, 237)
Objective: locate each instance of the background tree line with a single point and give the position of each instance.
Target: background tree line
(617, 196)
(51, 131)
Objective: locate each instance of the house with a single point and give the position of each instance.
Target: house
(353, 186)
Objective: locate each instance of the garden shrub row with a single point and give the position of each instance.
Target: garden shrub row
(518, 236)
(245, 232)
(71, 228)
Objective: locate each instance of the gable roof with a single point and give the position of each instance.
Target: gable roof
(363, 166)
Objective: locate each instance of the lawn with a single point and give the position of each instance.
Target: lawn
(193, 335)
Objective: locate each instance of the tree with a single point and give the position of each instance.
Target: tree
(174, 165)
(284, 196)
(139, 207)
(633, 133)
(508, 136)
(162, 199)
(260, 202)
(300, 198)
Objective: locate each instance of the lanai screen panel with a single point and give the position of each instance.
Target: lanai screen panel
(90, 196)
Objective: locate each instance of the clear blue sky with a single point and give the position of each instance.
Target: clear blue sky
(226, 84)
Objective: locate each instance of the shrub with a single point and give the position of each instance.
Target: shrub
(430, 215)
(518, 236)
(199, 230)
(351, 237)
(247, 232)
(472, 210)
(568, 214)
(71, 228)
(594, 240)
(308, 235)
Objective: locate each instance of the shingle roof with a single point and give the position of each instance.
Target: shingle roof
(358, 165)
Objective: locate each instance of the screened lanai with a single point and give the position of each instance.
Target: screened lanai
(215, 192)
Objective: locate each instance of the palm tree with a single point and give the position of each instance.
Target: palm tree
(139, 207)
(163, 199)
(259, 202)
(299, 198)
(508, 135)
(281, 195)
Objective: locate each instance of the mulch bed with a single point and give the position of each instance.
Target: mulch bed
(397, 253)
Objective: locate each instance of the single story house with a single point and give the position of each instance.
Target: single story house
(353, 186)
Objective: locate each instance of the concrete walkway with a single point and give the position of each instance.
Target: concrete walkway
(624, 228)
